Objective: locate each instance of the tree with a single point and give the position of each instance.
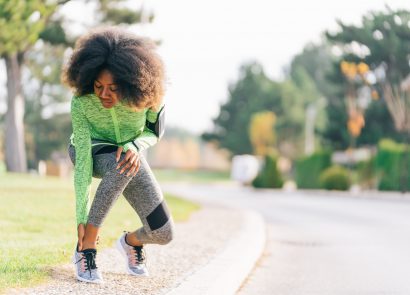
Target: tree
(382, 41)
(23, 23)
(262, 132)
(308, 71)
(316, 62)
(290, 123)
(252, 93)
(378, 124)
(354, 74)
(47, 123)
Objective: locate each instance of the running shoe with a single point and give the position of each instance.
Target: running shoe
(85, 268)
(134, 257)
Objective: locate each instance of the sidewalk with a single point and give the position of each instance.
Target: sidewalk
(207, 256)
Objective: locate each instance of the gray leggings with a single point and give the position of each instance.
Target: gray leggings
(141, 191)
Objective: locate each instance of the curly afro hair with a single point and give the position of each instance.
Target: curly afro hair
(136, 67)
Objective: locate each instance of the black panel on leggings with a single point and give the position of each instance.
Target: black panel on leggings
(107, 149)
(157, 218)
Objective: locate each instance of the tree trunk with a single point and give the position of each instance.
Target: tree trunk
(14, 136)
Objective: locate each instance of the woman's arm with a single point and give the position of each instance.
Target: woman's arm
(83, 160)
(152, 133)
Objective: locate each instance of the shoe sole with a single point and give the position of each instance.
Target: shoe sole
(82, 279)
(124, 255)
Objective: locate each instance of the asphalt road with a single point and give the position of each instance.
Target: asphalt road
(323, 244)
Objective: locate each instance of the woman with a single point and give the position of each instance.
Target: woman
(117, 112)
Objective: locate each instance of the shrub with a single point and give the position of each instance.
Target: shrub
(269, 176)
(309, 168)
(335, 178)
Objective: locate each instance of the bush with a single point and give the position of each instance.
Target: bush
(391, 162)
(335, 178)
(269, 176)
(309, 168)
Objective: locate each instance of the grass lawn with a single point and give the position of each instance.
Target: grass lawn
(38, 230)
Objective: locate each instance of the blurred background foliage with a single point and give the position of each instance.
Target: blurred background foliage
(345, 80)
(348, 92)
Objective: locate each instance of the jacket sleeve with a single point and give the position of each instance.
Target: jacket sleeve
(149, 136)
(83, 160)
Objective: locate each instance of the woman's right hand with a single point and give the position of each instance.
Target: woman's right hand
(80, 232)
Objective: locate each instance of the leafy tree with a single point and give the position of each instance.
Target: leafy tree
(290, 123)
(378, 125)
(47, 136)
(262, 132)
(23, 23)
(255, 92)
(381, 38)
(46, 131)
(316, 62)
(308, 71)
(382, 41)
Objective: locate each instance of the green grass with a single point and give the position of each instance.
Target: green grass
(37, 222)
(191, 175)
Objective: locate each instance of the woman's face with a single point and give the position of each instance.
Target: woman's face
(106, 90)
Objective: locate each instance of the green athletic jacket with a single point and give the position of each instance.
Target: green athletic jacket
(119, 125)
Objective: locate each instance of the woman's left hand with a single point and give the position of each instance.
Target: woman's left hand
(131, 161)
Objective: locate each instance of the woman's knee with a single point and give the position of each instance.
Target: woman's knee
(168, 233)
(160, 222)
(163, 235)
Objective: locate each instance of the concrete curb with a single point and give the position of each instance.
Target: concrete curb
(225, 273)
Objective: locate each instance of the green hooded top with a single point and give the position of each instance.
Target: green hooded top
(119, 125)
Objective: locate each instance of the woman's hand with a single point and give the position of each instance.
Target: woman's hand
(131, 161)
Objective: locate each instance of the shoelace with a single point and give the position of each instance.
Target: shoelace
(139, 254)
(89, 260)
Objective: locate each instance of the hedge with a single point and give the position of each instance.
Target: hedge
(392, 163)
(269, 176)
(308, 169)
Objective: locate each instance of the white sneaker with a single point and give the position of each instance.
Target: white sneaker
(134, 257)
(85, 268)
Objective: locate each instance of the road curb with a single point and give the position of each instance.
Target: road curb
(225, 273)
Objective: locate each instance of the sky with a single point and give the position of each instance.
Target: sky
(204, 43)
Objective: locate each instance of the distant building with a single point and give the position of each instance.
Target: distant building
(188, 153)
